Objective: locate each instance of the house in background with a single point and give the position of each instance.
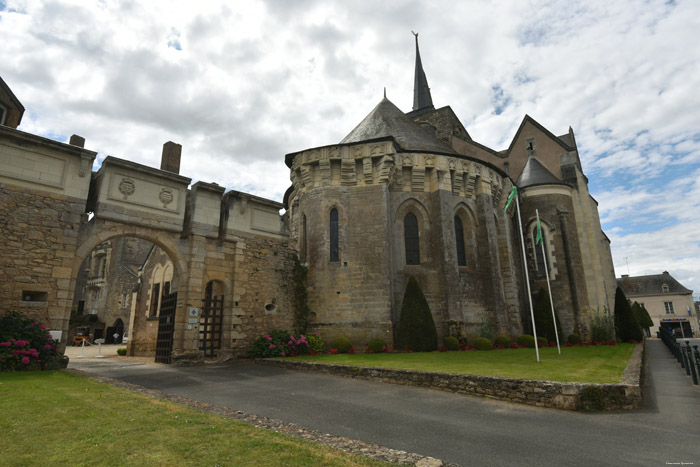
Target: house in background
(668, 302)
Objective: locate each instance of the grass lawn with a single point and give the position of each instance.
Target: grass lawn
(594, 364)
(56, 418)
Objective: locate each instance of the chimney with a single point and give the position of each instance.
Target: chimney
(76, 140)
(171, 157)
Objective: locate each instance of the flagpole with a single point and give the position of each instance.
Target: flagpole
(527, 276)
(549, 287)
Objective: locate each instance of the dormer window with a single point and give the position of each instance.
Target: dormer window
(664, 288)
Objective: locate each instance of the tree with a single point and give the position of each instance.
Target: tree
(641, 315)
(416, 326)
(543, 317)
(626, 326)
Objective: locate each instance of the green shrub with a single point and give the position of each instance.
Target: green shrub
(502, 340)
(26, 345)
(342, 344)
(416, 326)
(482, 343)
(92, 318)
(641, 315)
(542, 340)
(121, 351)
(316, 343)
(543, 317)
(626, 327)
(574, 339)
(602, 326)
(376, 345)
(527, 340)
(451, 343)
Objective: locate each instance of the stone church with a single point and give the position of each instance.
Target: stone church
(413, 194)
(403, 194)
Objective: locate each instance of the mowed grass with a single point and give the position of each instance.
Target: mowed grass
(57, 418)
(594, 364)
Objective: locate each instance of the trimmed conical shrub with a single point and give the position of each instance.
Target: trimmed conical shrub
(641, 315)
(626, 326)
(543, 317)
(416, 326)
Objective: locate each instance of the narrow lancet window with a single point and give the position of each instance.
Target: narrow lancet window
(539, 257)
(410, 232)
(459, 240)
(335, 252)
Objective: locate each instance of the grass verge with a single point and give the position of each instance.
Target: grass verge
(594, 364)
(59, 418)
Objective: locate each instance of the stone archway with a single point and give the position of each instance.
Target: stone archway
(142, 335)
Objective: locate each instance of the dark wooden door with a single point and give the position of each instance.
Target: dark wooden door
(166, 328)
(210, 324)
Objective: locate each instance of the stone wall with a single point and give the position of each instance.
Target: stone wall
(262, 291)
(39, 233)
(567, 396)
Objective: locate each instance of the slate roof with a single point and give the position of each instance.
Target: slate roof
(651, 285)
(387, 120)
(534, 173)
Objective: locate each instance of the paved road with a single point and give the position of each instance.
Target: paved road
(459, 429)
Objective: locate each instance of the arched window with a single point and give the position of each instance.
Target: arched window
(302, 246)
(335, 252)
(459, 240)
(539, 257)
(410, 233)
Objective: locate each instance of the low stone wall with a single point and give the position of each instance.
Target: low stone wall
(567, 396)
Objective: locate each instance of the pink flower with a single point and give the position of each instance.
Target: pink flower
(5, 344)
(33, 353)
(284, 354)
(272, 346)
(16, 353)
(42, 327)
(47, 347)
(25, 360)
(268, 338)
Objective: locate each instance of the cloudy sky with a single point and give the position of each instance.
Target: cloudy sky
(240, 84)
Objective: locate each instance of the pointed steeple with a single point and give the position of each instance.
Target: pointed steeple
(421, 91)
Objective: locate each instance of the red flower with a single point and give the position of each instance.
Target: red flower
(568, 344)
(443, 348)
(352, 350)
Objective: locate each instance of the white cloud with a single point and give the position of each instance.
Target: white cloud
(241, 84)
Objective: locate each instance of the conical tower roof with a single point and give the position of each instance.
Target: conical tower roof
(534, 173)
(387, 120)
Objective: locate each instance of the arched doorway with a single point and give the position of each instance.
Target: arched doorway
(115, 333)
(122, 286)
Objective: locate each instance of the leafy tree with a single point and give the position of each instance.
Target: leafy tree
(543, 317)
(416, 326)
(626, 326)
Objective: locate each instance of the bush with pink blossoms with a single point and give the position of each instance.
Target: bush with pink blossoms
(25, 344)
(280, 344)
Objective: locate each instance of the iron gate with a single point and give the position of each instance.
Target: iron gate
(166, 326)
(210, 324)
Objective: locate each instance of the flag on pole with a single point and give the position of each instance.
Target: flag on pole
(513, 194)
(538, 237)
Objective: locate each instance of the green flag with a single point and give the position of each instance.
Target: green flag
(538, 236)
(512, 195)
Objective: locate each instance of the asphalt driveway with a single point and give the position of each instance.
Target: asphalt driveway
(451, 427)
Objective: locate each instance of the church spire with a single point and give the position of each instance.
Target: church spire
(421, 91)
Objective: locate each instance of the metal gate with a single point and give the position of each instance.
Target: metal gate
(210, 324)
(166, 326)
